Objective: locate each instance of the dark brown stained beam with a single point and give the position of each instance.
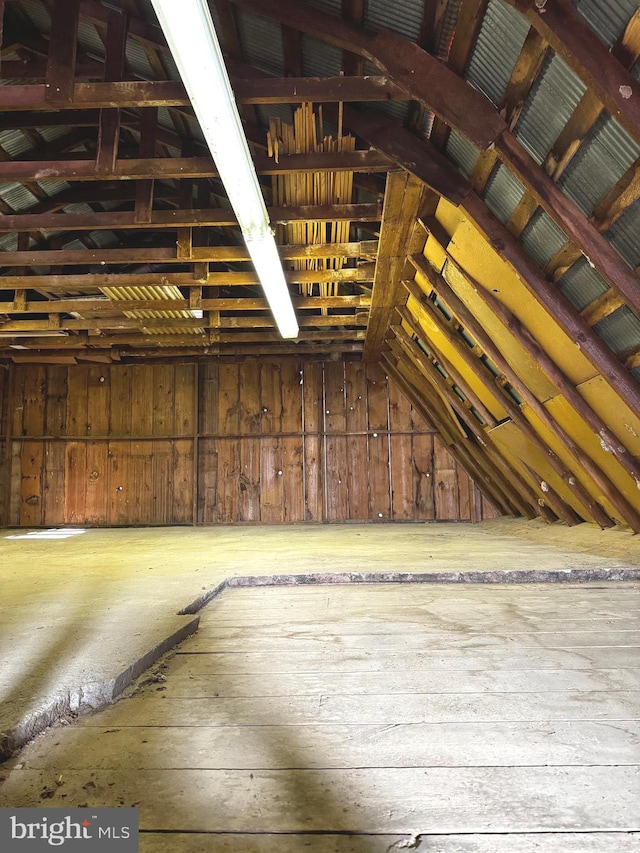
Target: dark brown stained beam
(126, 219)
(220, 254)
(557, 305)
(166, 93)
(36, 69)
(402, 204)
(61, 60)
(566, 512)
(109, 126)
(599, 477)
(577, 44)
(352, 11)
(409, 152)
(30, 119)
(566, 215)
(298, 89)
(191, 167)
(422, 76)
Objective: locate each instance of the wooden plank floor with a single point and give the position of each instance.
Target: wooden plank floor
(367, 719)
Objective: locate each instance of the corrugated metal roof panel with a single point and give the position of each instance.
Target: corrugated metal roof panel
(497, 49)
(607, 18)
(463, 153)
(402, 17)
(261, 42)
(17, 196)
(14, 142)
(38, 14)
(281, 111)
(447, 29)
(54, 188)
(502, 193)
(50, 134)
(624, 235)
(620, 330)
(581, 284)
(89, 40)
(398, 110)
(320, 59)
(332, 6)
(601, 161)
(552, 100)
(8, 243)
(138, 61)
(542, 238)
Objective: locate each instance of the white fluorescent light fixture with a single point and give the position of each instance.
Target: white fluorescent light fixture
(191, 36)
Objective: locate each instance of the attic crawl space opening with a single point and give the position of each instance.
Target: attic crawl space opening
(453, 188)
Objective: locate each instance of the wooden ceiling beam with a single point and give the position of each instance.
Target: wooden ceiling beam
(140, 169)
(220, 254)
(102, 305)
(578, 45)
(402, 204)
(33, 97)
(126, 219)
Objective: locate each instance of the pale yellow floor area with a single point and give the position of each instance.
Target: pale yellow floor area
(76, 612)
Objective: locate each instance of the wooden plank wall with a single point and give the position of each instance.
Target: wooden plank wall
(4, 452)
(218, 442)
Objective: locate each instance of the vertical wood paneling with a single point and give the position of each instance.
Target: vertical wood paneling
(314, 468)
(75, 466)
(98, 400)
(278, 442)
(423, 477)
(249, 398)
(379, 483)
(55, 400)
(249, 496)
(53, 484)
(207, 480)
(122, 401)
(31, 467)
(33, 401)
(337, 460)
(184, 384)
(163, 379)
(446, 483)
(403, 505)
(97, 480)
(143, 382)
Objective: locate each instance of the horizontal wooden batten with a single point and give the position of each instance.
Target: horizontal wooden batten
(220, 254)
(167, 93)
(96, 221)
(142, 169)
(87, 304)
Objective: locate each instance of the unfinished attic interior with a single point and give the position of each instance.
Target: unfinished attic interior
(242, 361)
